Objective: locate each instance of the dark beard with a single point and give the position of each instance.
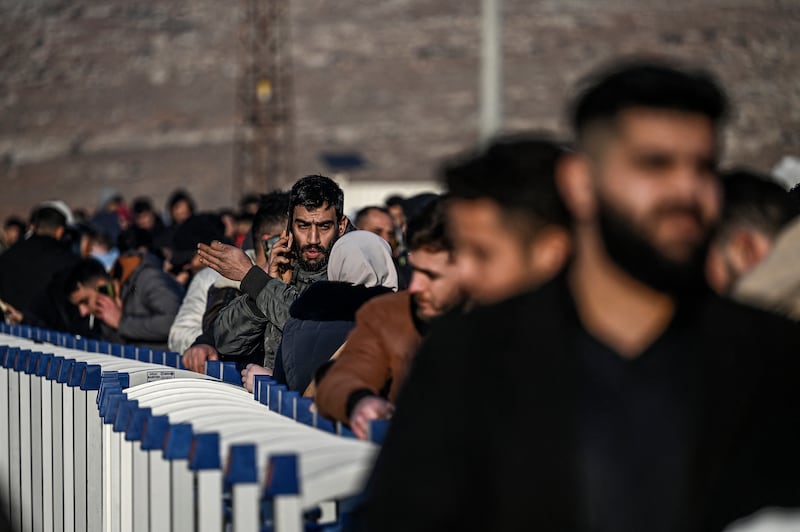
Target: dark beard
(319, 264)
(629, 249)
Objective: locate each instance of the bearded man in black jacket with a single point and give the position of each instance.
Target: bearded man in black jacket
(624, 395)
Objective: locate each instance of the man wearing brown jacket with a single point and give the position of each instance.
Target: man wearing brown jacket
(363, 383)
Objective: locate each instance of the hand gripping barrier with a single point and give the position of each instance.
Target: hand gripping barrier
(121, 438)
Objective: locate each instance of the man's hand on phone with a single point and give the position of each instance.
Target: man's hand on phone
(280, 259)
(108, 311)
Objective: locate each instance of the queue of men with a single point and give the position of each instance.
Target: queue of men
(594, 334)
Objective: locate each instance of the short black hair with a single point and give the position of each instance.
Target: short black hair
(394, 199)
(16, 221)
(755, 200)
(428, 229)
(517, 172)
(134, 238)
(141, 204)
(243, 217)
(249, 199)
(84, 271)
(179, 195)
(362, 213)
(314, 191)
(649, 83)
(48, 219)
(272, 215)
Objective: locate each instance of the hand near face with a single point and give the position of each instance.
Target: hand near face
(194, 358)
(249, 373)
(280, 261)
(366, 410)
(229, 261)
(108, 311)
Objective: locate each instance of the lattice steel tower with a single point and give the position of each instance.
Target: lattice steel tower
(264, 147)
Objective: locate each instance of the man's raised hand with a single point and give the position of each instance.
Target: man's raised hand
(229, 261)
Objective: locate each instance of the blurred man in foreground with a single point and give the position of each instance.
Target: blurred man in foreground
(509, 226)
(651, 403)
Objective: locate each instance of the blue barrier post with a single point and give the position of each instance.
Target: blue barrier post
(129, 352)
(261, 385)
(376, 432)
(275, 396)
(176, 450)
(230, 374)
(214, 369)
(160, 475)
(282, 488)
(241, 474)
(157, 357)
(172, 359)
(141, 468)
(125, 474)
(204, 459)
(303, 412)
(287, 404)
(143, 354)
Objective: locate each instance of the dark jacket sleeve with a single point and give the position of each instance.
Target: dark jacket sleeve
(239, 327)
(156, 305)
(420, 477)
(274, 301)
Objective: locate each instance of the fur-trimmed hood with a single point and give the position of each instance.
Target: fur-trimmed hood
(333, 301)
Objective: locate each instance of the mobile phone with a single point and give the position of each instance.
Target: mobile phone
(106, 289)
(269, 243)
(289, 255)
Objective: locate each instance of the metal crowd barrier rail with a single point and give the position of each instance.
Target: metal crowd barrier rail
(115, 441)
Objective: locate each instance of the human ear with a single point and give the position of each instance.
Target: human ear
(550, 251)
(573, 179)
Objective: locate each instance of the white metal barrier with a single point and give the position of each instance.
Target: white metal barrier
(108, 443)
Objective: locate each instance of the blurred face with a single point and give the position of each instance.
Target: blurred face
(379, 223)
(656, 195)
(145, 220)
(230, 226)
(11, 235)
(493, 262)
(398, 215)
(314, 232)
(181, 211)
(434, 283)
(85, 297)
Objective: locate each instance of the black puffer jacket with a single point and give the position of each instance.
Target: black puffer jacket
(319, 323)
(254, 321)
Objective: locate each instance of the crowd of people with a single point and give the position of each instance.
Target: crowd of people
(596, 333)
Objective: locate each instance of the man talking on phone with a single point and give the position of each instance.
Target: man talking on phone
(134, 304)
(298, 259)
